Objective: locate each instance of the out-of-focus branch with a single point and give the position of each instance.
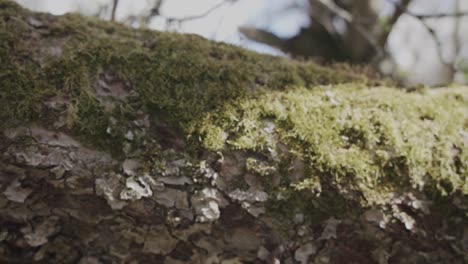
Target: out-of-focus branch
(402, 9)
(335, 9)
(437, 41)
(348, 18)
(456, 42)
(456, 15)
(399, 10)
(155, 11)
(262, 36)
(114, 9)
(202, 15)
(456, 34)
(441, 15)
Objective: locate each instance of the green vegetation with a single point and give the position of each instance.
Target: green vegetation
(182, 76)
(362, 142)
(369, 141)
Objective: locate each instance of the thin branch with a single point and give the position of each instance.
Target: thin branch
(437, 41)
(402, 9)
(422, 19)
(441, 15)
(156, 12)
(337, 10)
(457, 13)
(456, 34)
(456, 42)
(114, 9)
(348, 18)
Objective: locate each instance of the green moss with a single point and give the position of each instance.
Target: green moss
(22, 90)
(369, 141)
(213, 137)
(315, 209)
(311, 184)
(182, 83)
(9, 7)
(178, 77)
(259, 167)
(90, 120)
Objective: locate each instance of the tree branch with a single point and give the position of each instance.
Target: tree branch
(422, 19)
(114, 9)
(348, 18)
(437, 41)
(456, 41)
(440, 15)
(155, 11)
(399, 10)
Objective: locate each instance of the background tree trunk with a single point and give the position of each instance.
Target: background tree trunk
(132, 146)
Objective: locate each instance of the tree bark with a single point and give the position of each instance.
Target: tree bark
(120, 145)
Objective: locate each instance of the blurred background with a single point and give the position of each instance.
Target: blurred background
(415, 41)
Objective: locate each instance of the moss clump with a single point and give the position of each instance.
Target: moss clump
(9, 7)
(314, 209)
(178, 77)
(259, 167)
(360, 141)
(21, 92)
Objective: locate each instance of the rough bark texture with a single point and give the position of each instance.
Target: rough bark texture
(131, 146)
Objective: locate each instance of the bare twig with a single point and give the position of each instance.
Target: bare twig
(114, 9)
(456, 15)
(456, 42)
(422, 19)
(334, 8)
(440, 15)
(403, 7)
(437, 41)
(155, 11)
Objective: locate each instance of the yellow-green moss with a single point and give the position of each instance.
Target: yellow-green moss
(258, 167)
(369, 141)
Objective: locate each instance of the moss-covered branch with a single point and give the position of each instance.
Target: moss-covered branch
(176, 140)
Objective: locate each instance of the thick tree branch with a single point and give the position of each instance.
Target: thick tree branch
(114, 9)
(151, 147)
(349, 19)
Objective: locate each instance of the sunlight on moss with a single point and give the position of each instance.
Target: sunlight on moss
(259, 167)
(370, 140)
